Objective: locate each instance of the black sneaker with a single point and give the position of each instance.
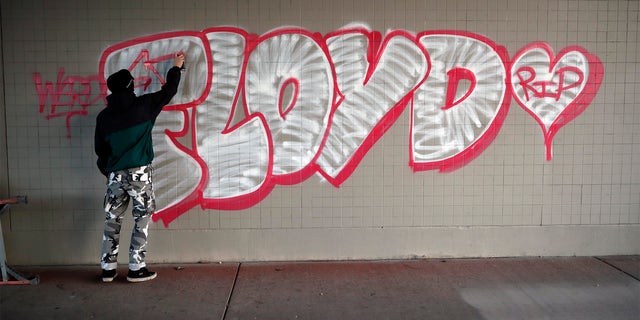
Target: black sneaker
(140, 275)
(109, 275)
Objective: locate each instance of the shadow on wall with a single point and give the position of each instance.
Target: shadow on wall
(72, 224)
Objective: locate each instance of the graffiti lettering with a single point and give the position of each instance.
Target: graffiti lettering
(255, 111)
(450, 137)
(527, 75)
(554, 90)
(69, 93)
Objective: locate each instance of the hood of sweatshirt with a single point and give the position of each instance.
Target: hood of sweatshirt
(121, 101)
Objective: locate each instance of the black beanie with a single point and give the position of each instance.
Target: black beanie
(120, 81)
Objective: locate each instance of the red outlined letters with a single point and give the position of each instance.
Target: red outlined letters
(255, 111)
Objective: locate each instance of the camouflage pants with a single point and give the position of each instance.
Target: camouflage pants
(123, 185)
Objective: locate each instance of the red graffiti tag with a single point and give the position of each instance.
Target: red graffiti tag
(70, 96)
(547, 89)
(148, 63)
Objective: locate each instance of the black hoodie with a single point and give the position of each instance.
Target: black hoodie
(123, 128)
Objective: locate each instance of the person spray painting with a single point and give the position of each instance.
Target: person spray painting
(125, 152)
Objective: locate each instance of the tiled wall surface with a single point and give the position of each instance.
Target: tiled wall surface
(509, 200)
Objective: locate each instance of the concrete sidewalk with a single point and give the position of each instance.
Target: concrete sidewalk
(511, 288)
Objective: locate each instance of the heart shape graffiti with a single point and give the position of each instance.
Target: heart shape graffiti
(554, 90)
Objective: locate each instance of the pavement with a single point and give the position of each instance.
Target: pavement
(581, 288)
